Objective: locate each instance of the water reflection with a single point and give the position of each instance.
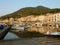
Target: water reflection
(37, 29)
(42, 29)
(10, 36)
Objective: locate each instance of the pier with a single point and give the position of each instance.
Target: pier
(4, 31)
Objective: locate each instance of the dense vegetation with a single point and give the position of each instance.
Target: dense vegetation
(31, 11)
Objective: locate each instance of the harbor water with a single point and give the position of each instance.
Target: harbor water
(11, 36)
(32, 41)
(29, 41)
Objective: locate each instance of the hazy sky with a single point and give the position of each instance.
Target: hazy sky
(9, 6)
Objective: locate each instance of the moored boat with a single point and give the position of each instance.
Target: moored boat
(53, 33)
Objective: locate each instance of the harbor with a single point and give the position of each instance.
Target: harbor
(29, 22)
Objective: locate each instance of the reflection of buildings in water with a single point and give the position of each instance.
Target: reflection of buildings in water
(40, 29)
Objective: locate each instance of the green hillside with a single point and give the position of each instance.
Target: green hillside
(30, 11)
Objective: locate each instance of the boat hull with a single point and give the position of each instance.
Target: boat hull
(55, 36)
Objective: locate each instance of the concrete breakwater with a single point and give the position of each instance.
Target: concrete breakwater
(4, 31)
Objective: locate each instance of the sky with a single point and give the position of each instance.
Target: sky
(10, 6)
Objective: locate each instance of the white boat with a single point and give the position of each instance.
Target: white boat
(17, 27)
(53, 32)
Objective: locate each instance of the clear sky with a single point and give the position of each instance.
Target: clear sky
(9, 6)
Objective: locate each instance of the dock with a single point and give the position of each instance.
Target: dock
(4, 31)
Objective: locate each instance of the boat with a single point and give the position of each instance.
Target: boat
(17, 27)
(53, 33)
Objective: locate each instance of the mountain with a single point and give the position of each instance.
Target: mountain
(30, 11)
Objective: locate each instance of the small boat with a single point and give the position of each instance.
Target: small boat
(17, 27)
(20, 27)
(52, 33)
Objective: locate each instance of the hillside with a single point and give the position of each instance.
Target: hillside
(30, 11)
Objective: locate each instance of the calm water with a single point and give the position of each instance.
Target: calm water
(33, 41)
(11, 36)
(40, 29)
(30, 41)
